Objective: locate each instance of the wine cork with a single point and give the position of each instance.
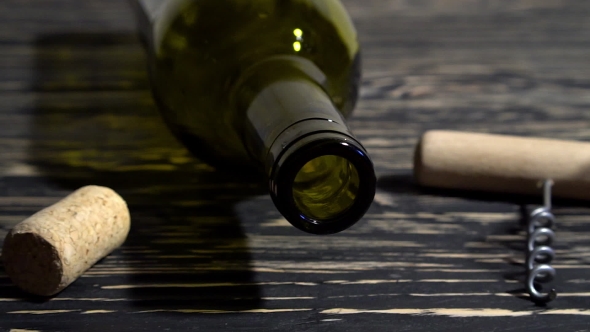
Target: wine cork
(502, 163)
(48, 251)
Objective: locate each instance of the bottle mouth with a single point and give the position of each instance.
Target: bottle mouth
(323, 183)
(326, 187)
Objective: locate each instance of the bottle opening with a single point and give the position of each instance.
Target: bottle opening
(325, 187)
(322, 183)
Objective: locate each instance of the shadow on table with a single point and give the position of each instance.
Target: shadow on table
(405, 184)
(94, 122)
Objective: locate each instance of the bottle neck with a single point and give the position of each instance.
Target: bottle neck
(320, 177)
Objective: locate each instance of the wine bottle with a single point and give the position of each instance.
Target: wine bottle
(266, 85)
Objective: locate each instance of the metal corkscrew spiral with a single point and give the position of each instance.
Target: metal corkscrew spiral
(539, 253)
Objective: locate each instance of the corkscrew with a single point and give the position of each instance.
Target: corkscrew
(539, 253)
(452, 160)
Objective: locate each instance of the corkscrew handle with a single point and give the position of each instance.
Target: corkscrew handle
(501, 163)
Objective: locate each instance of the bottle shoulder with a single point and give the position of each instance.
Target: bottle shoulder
(300, 26)
(221, 39)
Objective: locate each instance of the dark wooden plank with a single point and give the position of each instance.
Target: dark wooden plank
(209, 251)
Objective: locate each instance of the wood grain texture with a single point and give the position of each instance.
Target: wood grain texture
(208, 251)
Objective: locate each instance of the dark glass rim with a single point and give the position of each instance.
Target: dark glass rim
(283, 176)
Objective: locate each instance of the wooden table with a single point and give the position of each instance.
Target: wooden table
(209, 252)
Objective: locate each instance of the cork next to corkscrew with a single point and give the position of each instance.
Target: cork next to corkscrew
(51, 249)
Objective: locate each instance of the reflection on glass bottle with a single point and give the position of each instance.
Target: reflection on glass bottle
(266, 85)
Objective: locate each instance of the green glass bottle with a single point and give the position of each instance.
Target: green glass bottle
(266, 85)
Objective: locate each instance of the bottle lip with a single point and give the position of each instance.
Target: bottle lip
(310, 147)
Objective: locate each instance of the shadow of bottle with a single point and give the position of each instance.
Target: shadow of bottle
(94, 122)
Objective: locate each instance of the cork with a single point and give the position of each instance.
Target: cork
(502, 163)
(48, 251)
